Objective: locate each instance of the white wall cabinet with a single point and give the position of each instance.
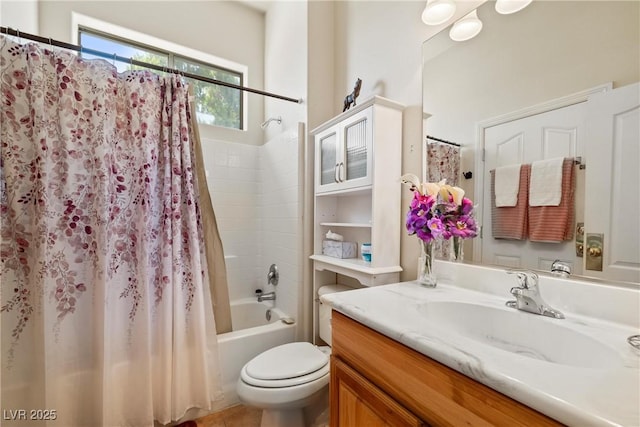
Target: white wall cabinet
(358, 160)
(344, 153)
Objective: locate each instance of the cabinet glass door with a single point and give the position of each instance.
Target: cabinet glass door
(356, 150)
(344, 154)
(328, 161)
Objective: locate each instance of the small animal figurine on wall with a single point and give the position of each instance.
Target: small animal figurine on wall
(351, 98)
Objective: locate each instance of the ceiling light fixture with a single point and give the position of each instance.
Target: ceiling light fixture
(438, 12)
(466, 28)
(506, 7)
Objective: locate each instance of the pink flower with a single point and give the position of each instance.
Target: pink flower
(439, 214)
(436, 227)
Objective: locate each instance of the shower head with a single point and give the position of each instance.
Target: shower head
(269, 120)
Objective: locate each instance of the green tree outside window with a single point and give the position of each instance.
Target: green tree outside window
(215, 104)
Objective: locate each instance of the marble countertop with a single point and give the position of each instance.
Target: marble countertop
(588, 395)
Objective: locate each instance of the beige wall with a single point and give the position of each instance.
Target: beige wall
(21, 15)
(285, 42)
(381, 42)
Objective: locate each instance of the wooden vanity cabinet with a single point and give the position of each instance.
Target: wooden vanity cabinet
(376, 381)
(360, 403)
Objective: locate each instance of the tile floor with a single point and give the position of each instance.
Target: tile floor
(236, 416)
(243, 416)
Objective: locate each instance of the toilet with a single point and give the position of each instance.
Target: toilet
(286, 379)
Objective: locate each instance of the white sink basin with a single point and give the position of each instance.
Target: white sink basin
(521, 333)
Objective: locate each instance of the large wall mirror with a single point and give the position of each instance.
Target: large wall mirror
(547, 57)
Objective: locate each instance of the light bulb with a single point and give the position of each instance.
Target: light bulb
(466, 28)
(505, 7)
(438, 12)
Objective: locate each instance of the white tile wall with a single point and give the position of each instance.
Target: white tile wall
(254, 191)
(281, 243)
(233, 180)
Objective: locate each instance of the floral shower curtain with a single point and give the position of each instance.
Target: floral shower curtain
(105, 309)
(443, 162)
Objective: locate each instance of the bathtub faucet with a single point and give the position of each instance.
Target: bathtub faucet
(269, 296)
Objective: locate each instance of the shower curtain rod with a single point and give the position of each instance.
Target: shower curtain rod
(113, 56)
(443, 141)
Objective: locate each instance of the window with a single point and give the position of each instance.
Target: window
(215, 104)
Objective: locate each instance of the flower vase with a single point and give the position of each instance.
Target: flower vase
(457, 252)
(426, 275)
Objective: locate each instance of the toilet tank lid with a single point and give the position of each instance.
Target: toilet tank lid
(287, 361)
(329, 289)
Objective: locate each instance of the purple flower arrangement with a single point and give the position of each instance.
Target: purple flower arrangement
(439, 211)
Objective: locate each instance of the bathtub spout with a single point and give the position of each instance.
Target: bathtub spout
(269, 296)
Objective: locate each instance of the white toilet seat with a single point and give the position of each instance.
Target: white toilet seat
(285, 382)
(287, 365)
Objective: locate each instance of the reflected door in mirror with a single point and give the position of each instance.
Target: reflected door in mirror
(549, 135)
(612, 204)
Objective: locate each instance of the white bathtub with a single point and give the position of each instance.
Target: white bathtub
(252, 334)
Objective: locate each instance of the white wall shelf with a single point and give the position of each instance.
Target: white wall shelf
(346, 192)
(358, 159)
(325, 262)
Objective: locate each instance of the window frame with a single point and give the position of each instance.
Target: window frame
(82, 23)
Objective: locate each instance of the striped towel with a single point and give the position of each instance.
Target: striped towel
(555, 223)
(511, 222)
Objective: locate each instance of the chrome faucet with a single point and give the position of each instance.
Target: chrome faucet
(528, 295)
(560, 268)
(269, 296)
(273, 276)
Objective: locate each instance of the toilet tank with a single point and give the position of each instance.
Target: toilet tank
(324, 311)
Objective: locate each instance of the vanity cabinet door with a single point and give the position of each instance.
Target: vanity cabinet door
(356, 402)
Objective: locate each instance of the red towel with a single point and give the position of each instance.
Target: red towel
(510, 222)
(555, 223)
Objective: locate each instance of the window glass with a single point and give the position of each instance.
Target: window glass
(215, 105)
(106, 45)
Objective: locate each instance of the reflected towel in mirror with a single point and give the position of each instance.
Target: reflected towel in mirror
(555, 223)
(545, 184)
(507, 185)
(511, 222)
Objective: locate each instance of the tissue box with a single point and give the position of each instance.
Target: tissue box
(339, 249)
